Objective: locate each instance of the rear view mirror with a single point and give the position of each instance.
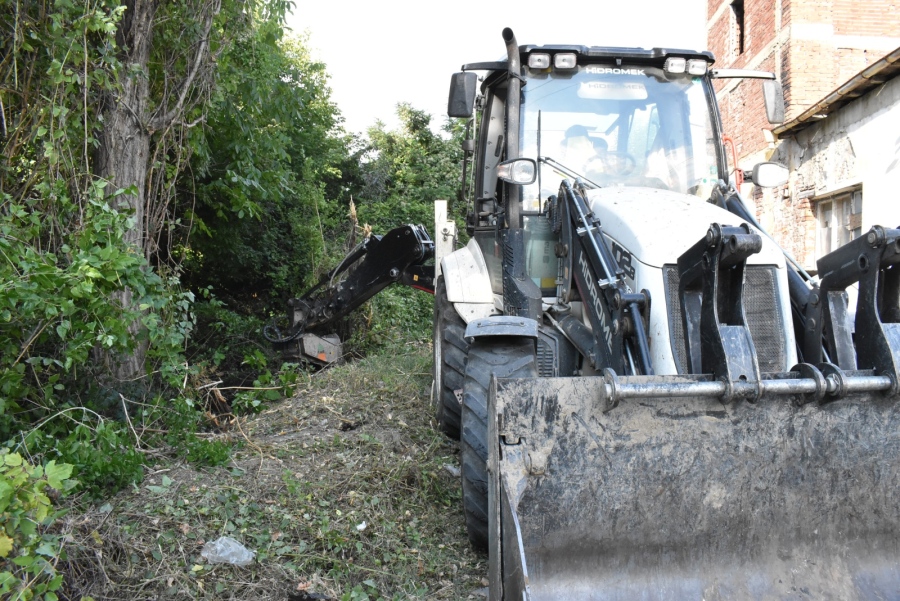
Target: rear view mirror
(773, 97)
(768, 175)
(461, 102)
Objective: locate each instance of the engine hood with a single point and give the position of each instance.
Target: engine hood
(657, 226)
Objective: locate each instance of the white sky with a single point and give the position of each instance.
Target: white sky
(381, 52)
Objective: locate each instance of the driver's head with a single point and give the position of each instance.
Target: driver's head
(577, 146)
(576, 133)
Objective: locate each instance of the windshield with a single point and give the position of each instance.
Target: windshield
(622, 126)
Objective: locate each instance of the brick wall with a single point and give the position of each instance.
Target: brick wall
(814, 46)
(741, 103)
(790, 219)
(759, 30)
(866, 18)
(851, 61)
(808, 77)
(743, 112)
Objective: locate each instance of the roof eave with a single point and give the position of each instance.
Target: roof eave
(876, 74)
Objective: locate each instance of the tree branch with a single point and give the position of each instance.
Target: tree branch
(2, 121)
(158, 121)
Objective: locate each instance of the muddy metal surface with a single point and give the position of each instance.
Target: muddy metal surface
(693, 498)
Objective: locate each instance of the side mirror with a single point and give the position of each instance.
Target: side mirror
(773, 97)
(461, 102)
(518, 171)
(768, 175)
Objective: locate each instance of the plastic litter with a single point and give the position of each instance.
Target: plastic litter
(227, 550)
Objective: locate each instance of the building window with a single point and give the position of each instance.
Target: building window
(839, 221)
(737, 26)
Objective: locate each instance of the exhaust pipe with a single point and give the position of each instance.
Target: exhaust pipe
(513, 94)
(513, 97)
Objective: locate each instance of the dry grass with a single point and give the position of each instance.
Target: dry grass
(343, 491)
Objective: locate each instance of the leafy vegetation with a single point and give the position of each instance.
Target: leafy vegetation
(29, 553)
(270, 149)
(404, 171)
(171, 173)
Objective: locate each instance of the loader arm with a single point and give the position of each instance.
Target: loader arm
(616, 313)
(379, 261)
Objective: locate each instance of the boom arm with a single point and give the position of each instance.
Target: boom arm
(380, 261)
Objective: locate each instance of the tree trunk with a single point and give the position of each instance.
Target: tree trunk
(124, 152)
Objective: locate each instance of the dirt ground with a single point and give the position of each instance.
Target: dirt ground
(345, 491)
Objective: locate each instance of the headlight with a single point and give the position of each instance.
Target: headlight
(518, 171)
(697, 67)
(675, 65)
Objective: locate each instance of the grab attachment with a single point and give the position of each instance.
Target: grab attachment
(711, 294)
(872, 260)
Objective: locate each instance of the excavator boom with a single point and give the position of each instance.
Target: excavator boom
(375, 264)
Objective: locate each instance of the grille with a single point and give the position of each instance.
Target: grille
(761, 308)
(546, 356)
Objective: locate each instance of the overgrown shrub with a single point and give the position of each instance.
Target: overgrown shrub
(29, 550)
(56, 319)
(393, 318)
(83, 284)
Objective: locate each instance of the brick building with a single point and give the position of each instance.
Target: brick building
(841, 50)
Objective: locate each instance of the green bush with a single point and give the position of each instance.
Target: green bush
(28, 550)
(396, 316)
(224, 338)
(55, 311)
(56, 318)
(181, 422)
(103, 457)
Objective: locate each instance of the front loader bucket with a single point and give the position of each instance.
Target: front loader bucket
(691, 498)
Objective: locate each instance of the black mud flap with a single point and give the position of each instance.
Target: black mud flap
(691, 498)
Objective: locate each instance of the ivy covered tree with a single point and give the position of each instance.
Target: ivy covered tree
(109, 115)
(65, 249)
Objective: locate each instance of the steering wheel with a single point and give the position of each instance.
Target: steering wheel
(613, 165)
(621, 163)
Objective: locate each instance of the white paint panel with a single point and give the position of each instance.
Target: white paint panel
(466, 276)
(657, 226)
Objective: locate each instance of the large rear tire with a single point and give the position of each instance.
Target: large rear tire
(505, 358)
(450, 349)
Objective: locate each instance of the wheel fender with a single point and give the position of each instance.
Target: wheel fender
(466, 276)
(502, 325)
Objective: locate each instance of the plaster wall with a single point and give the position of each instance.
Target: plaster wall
(856, 145)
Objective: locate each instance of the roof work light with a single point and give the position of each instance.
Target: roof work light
(565, 60)
(539, 61)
